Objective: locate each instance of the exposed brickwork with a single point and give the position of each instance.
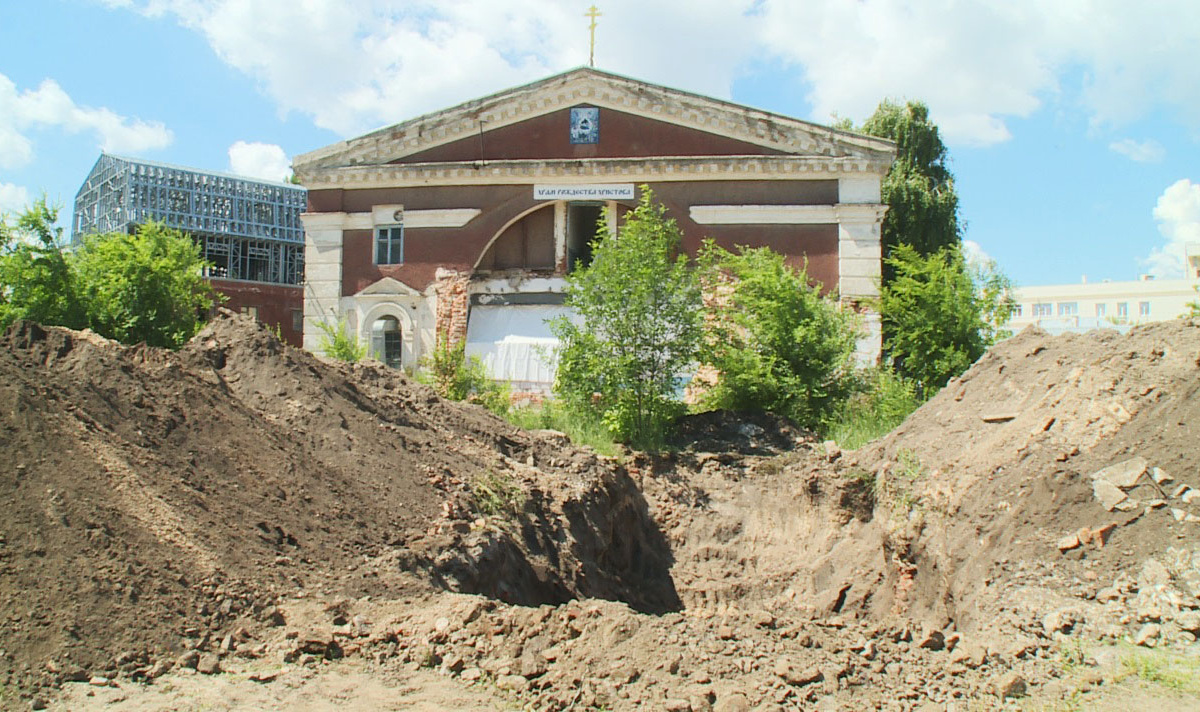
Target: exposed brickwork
(451, 316)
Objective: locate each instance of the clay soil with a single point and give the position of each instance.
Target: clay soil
(241, 525)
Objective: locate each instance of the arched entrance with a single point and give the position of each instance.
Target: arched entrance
(386, 342)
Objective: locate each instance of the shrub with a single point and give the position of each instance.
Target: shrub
(881, 402)
(339, 343)
(777, 344)
(458, 377)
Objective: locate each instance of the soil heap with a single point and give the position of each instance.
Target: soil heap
(242, 504)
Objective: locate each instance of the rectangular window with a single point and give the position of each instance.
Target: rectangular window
(252, 311)
(297, 320)
(1143, 308)
(389, 245)
(1123, 309)
(1042, 309)
(1017, 311)
(1101, 310)
(1068, 308)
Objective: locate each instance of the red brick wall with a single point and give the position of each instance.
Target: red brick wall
(275, 303)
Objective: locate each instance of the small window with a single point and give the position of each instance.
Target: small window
(583, 226)
(252, 311)
(1101, 310)
(1017, 312)
(1123, 309)
(1068, 308)
(1042, 309)
(389, 245)
(1143, 308)
(297, 320)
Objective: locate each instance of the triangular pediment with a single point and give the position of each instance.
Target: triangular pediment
(388, 286)
(590, 87)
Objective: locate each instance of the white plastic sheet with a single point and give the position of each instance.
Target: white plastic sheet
(515, 343)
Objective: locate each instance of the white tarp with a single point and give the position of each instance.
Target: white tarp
(515, 343)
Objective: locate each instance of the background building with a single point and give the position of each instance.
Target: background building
(464, 222)
(249, 230)
(1108, 305)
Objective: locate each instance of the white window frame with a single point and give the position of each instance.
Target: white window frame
(380, 230)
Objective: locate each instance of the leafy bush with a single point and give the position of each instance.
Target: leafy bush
(339, 343)
(147, 287)
(456, 376)
(778, 345)
(937, 317)
(497, 494)
(639, 328)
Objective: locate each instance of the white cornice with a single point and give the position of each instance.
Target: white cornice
(595, 88)
(413, 219)
(625, 170)
(785, 214)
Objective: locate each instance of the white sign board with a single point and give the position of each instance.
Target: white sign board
(595, 191)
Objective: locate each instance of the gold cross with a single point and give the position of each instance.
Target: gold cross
(592, 13)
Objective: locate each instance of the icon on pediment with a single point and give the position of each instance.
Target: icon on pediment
(585, 124)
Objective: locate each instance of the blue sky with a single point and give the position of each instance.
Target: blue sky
(1073, 126)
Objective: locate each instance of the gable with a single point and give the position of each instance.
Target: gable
(450, 132)
(621, 135)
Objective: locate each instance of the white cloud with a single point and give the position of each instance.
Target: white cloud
(13, 198)
(49, 106)
(975, 255)
(1178, 215)
(1148, 151)
(979, 64)
(356, 66)
(259, 160)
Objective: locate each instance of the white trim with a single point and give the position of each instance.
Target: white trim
(763, 214)
(626, 170)
(381, 215)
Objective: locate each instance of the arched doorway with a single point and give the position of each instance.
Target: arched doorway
(385, 340)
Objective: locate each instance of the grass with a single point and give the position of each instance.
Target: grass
(497, 494)
(552, 415)
(1174, 671)
(883, 402)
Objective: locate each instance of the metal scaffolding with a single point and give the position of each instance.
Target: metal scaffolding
(248, 229)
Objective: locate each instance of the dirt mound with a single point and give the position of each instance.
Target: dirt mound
(743, 433)
(994, 489)
(156, 501)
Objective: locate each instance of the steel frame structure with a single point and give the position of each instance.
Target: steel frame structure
(248, 229)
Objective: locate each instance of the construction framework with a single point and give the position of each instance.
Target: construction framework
(249, 230)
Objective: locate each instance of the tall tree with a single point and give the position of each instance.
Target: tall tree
(35, 277)
(919, 188)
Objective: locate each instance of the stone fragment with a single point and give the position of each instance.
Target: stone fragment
(1124, 474)
(209, 664)
(38, 703)
(1189, 621)
(1156, 503)
(1153, 573)
(1148, 635)
(932, 640)
(1108, 494)
(532, 665)
(1179, 514)
(733, 702)
(99, 681)
(160, 668)
(1160, 476)
(1180, 490)
(793, 675)
(970, 655)
(1190, 497)
(1061, 621)
(188, 660)
(677, 705)
(1010, 685)
(514, 683)
(1128, 505)
(1107, 594)
(1068, 542)
(1191, 518)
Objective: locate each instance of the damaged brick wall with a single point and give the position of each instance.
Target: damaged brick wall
(450, 320)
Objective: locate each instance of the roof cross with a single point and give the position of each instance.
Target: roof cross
(593, 13)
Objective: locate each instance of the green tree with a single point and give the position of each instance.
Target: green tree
(458, 377)
(147, 287)
(639, 327)
(35, 277)
(919, 188)
(777, 344)
(938, 317)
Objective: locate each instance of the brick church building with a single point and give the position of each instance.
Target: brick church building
(465, 221)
